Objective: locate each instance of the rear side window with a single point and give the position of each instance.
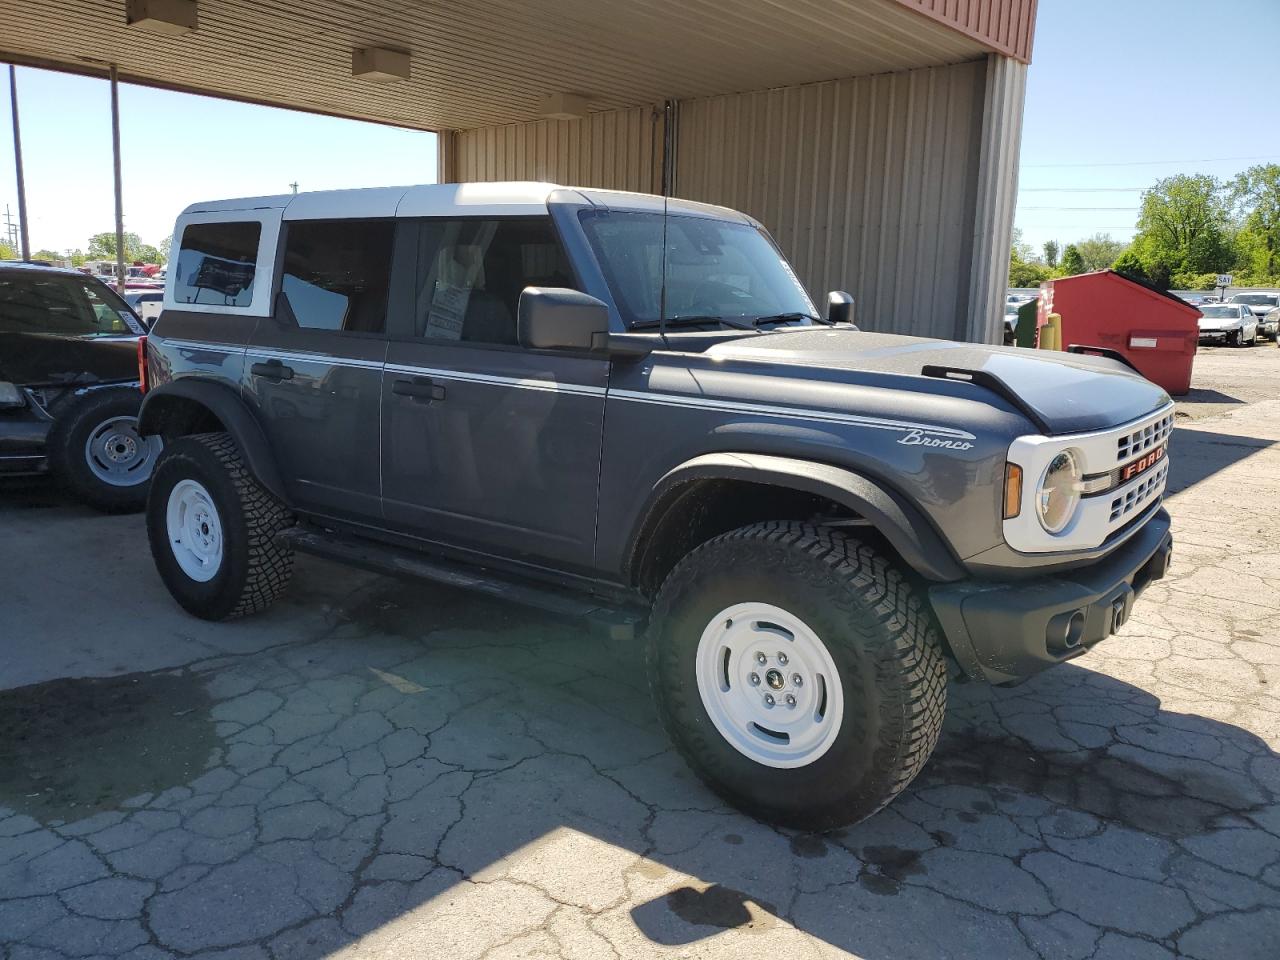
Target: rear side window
(336, 273)
(217, 263)
(471, 273)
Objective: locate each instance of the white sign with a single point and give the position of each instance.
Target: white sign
(1224, 279)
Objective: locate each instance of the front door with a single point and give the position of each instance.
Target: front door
(488, 446)
(314, 368)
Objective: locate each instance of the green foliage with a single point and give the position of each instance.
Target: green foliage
(1129, 264)
(1183, 226)
(1051, 253)
(7, 252)
(102, 246)
(1194, 281)
(1028, 274)
(1099, 251)
(1072, 261)
(50, 255)
(1256, 196)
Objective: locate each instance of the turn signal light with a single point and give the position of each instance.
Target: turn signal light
(142, 364)
(1012, 490)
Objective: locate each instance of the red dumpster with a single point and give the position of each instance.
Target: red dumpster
(1157, 332)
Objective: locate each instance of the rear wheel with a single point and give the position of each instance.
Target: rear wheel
(798, 673)
(95, 450)
(213, 530)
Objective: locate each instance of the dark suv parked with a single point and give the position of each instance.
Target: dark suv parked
(626, 408)
(69, 393)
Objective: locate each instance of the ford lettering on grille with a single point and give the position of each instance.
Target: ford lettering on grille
(1142, 464)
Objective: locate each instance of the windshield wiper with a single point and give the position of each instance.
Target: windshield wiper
(692, 320)
(795, 315)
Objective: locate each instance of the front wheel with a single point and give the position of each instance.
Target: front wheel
(97, 453)
(798, 673)
(213, 530)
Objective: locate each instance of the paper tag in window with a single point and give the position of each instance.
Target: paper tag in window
(1136, 343)
(131, 322)
(448, 310)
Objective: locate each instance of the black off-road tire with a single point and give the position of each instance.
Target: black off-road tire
(69, 463)
(880, 635)
(255, 569)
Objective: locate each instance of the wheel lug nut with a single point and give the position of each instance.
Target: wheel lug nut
(761, 659)
(797, 680)
(782, 659)
(768, 698)
(755, 679)
(791, 701)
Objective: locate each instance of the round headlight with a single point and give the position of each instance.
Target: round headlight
(1059, 492)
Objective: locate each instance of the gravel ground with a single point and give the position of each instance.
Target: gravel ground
(378, 769)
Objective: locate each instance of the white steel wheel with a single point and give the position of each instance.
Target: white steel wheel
(118, 455)
(195, 530)
(769, 685)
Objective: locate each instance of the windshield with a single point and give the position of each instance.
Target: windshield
(63, 305)
(1220, 312)
(715, 268)
(1257, 299)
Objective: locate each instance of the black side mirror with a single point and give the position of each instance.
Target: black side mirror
(840, 307)
(555, 318)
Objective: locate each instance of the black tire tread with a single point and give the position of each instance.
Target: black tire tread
(875, 591)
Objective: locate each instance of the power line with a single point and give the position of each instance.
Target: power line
(1091, 209)
(1143, 163)
(1080, 189)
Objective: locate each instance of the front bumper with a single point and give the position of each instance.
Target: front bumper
(1214, 336)
(22, 445)
(1005, 631)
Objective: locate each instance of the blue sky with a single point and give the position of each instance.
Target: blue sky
(1120, 92)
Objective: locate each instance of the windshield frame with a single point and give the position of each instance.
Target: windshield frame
(637, 320)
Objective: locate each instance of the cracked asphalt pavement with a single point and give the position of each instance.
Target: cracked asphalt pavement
(385, 769)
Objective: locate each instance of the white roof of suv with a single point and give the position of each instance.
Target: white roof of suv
(445, 199)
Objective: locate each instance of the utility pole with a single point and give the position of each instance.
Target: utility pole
(17, 162)
(115, 157)
(294, 186)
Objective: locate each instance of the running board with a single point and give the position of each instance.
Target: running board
(620, 621)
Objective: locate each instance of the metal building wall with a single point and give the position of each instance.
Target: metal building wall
(868, 184)
(614, 149)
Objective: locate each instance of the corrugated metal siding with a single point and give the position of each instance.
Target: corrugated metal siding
(867, 184)
(616, 150)
(997, 196)
(1007, 26)
(477, 62)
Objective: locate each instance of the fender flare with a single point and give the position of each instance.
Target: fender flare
(900, 522)
(235, 415)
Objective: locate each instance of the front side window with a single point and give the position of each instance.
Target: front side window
(63, 305)
(217, 263)
(714, 268)
(471, 273)
(336, 273)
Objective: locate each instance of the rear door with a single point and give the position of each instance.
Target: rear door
(488, 446)
(314, 366)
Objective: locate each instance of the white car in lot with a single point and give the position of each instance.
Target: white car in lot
(1230, 323)
(1265, 305)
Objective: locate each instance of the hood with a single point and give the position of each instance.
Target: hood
(35, 358)
(1069, 393)
(1217, 323)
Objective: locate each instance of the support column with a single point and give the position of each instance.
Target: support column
(446, 156)
(24, 251)
(997, 197)
(115, 159)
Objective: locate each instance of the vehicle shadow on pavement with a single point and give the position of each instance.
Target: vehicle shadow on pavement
(1199, 454)
(444, 776)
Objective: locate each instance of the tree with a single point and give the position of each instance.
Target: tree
(102, 246)
(1183, 226)
(1051, 252)
(1256, 196)
(46, 255)
(7, 252)
(1099, 251)
(1027, 274)
(1072, 262)
(1020, 249)
(1129, 264)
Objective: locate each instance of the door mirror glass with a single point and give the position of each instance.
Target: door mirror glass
(839, 307)
(555, 318)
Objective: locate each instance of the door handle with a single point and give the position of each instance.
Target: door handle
(272, 370)
(419, 388)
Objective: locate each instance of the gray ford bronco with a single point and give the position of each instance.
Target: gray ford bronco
(629, 410)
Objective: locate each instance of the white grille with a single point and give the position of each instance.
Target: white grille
(1139, 495)
(1143, 438)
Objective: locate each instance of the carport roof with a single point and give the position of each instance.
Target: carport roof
(481, 62)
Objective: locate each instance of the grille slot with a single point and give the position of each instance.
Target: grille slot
(1138, 441)
(1140, 494)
